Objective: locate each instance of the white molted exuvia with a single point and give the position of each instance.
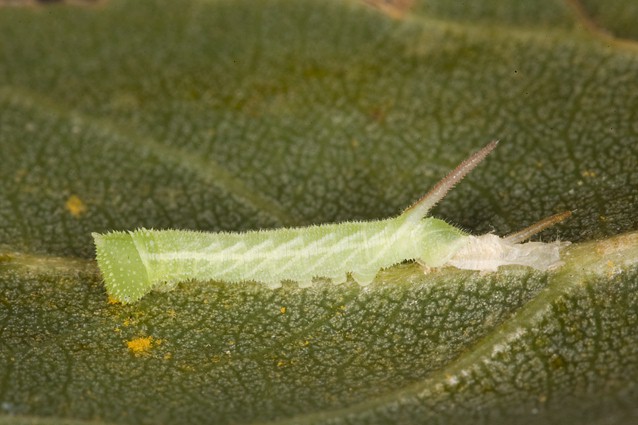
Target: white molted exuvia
(488, 252)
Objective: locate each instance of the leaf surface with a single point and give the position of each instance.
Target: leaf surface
(220, 115)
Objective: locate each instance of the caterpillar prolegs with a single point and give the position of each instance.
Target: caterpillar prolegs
(136, 262)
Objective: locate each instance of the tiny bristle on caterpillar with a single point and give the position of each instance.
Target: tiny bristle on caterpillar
(135, 262)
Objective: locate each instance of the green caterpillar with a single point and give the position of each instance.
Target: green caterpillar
(135, 262)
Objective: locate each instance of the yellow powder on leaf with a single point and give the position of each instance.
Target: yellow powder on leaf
(75, 206)
(139, 346)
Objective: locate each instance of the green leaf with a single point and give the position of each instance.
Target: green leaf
(234, 115)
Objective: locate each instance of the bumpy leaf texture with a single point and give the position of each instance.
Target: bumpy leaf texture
(235, 115)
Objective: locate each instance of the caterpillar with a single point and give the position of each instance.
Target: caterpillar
(133, 263)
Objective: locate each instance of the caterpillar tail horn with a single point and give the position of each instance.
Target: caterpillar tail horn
(420, 208)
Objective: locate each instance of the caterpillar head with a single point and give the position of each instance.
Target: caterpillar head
(124, 272)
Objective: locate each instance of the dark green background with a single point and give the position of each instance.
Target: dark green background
(234, 115)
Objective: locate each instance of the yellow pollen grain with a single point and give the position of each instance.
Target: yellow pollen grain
(75, 206)
(140, 346)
